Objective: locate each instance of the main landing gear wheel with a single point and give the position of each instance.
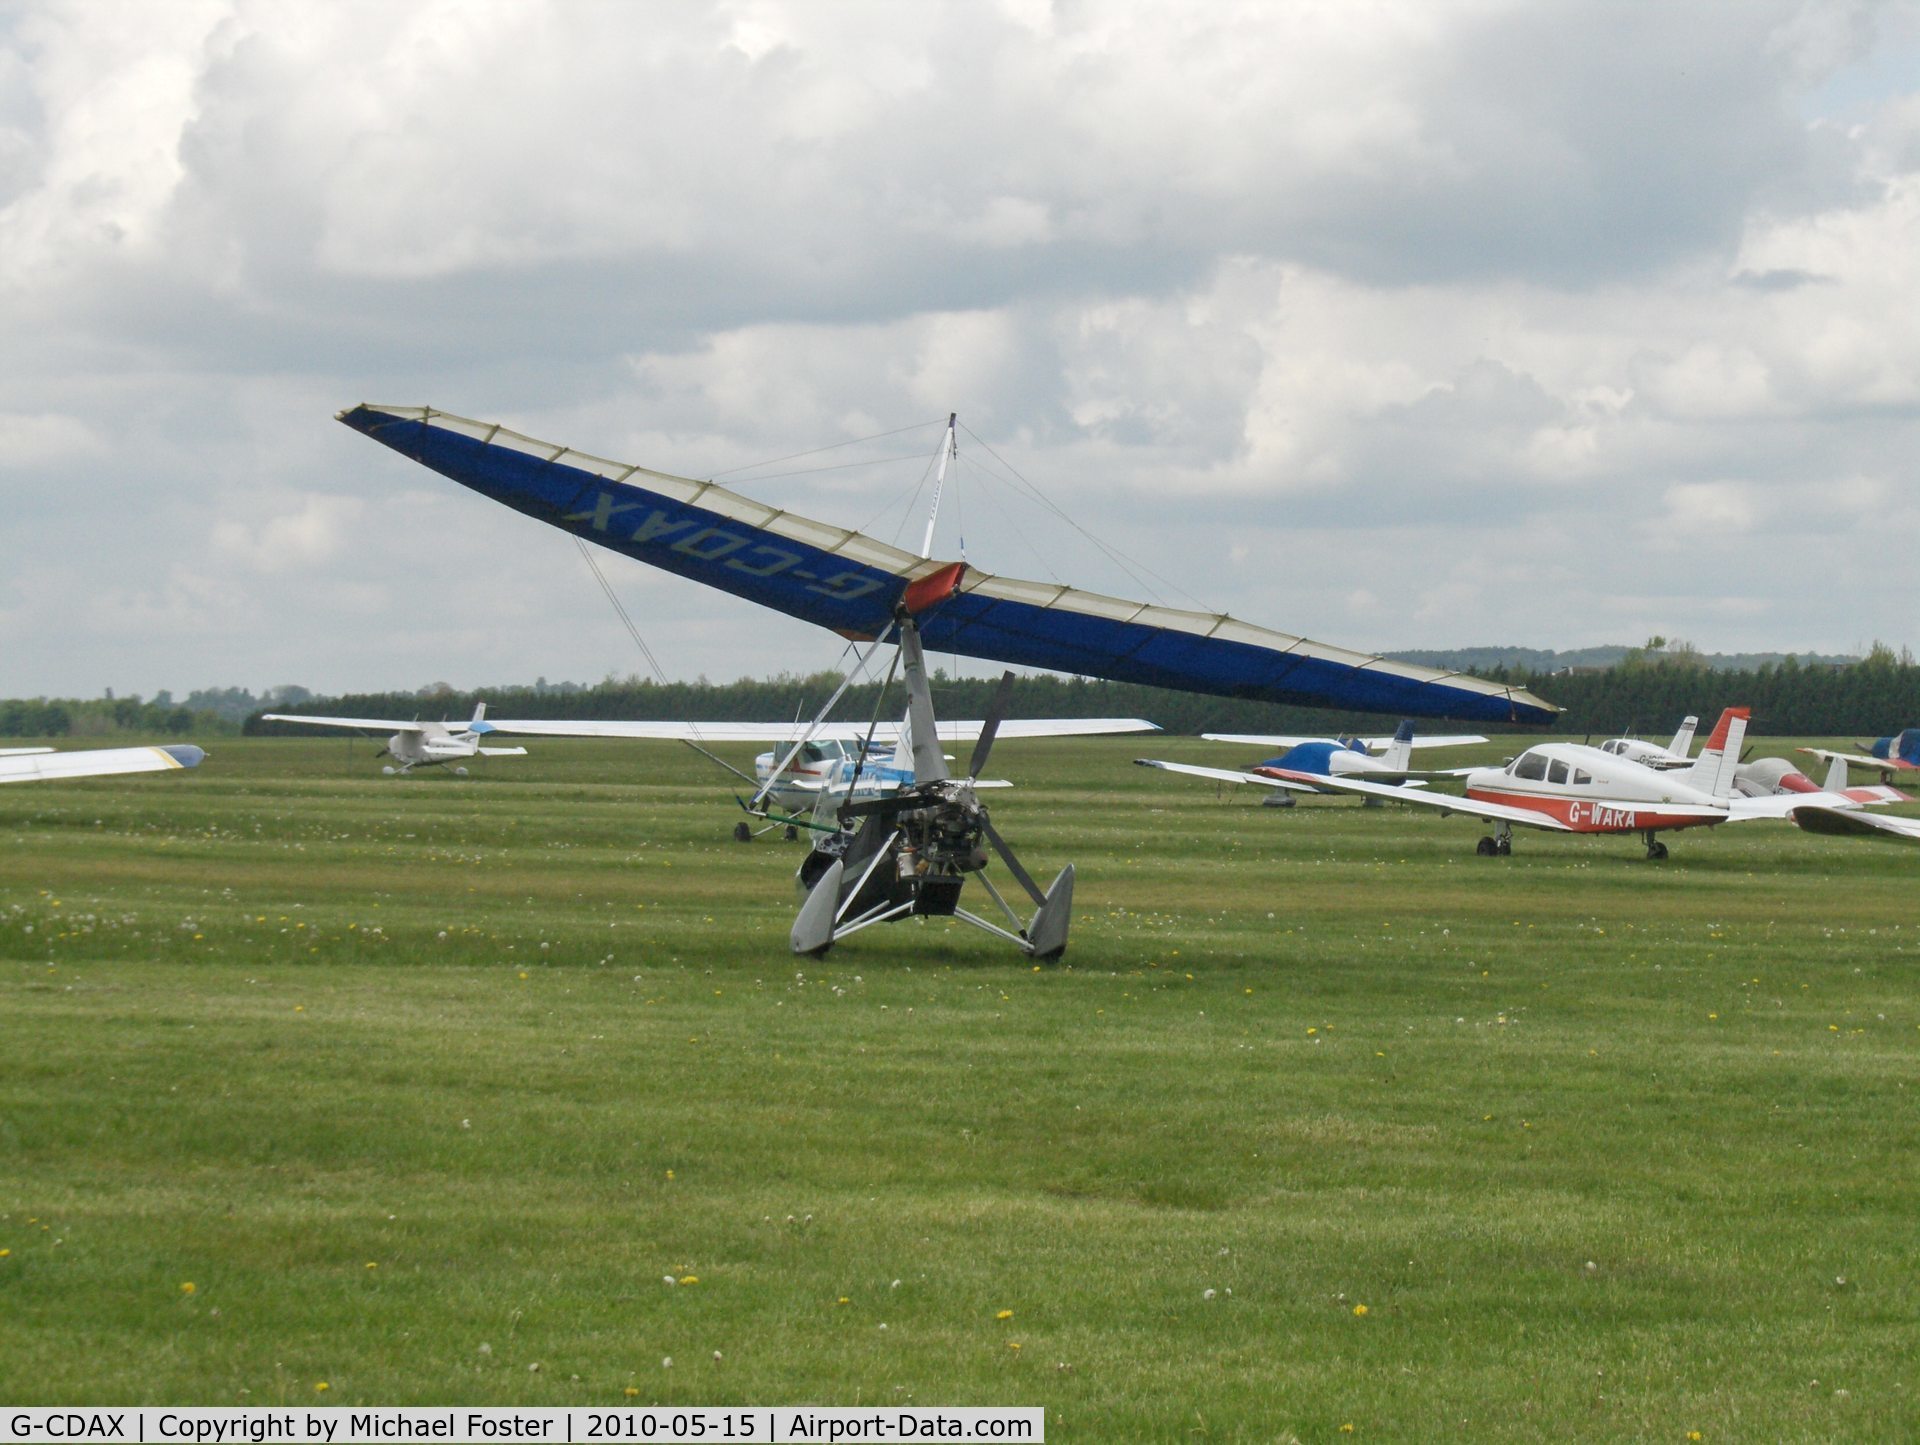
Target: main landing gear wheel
(1486, 848)
(792, 835)
(742, 833)
(1656, 850)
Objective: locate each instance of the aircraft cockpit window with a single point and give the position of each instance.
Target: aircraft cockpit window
(1557, 773)
(1532, 766)
(1612, 745)
(1580, 779)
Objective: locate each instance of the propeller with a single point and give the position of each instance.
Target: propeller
(996, 710)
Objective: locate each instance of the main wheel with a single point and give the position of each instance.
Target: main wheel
(742, 833)
(1486, 848)
(1656, 850)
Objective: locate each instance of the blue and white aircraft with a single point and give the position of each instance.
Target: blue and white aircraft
(1897, 754)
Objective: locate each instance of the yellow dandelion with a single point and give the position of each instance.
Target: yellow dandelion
(689, 1279)
(1360, 1311)
(1693, 1434)
(187, 1288)
(5, 1253)
(1004, 1315)
(630, 1392)
(669, 1174)
(1013, 1344)
(373, 1264)
(843, 1300)
(1347, 1429)
(321, 1387)
(1311, 1032)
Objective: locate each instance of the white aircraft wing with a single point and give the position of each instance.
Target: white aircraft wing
(1446, 803)
(1788, 805)
(786, 732)
(1858, 760)
(1315, 783)
(363, 724)
(34, 765)
(1224, 775)
(1849, 822)
(1276, 740)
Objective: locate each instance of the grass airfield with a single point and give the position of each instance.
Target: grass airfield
(319, 1087)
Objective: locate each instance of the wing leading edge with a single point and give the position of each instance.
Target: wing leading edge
(849, 582)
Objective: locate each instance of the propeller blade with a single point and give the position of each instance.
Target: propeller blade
(991, 728)
(1020, 874)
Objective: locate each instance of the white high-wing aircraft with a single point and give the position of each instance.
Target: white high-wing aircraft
(39, 765)
(416, 744)
(827, 762)
(827, 758)
(1573, 788)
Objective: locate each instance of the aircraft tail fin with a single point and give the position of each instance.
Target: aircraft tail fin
(1399, 753)
(1836, 775)
(1712, 772)
(1682, 743)
(903, 750)
(479, 723)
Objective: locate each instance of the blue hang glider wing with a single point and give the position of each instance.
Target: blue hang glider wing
(851, 583)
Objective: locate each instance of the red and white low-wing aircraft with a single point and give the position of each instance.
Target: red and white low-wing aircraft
(1573, 788)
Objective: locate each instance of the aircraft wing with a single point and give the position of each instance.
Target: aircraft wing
(1788, 805)
(786, 732)
(501, 752)
(1858, 760)
(1444, 802)
(1848, 822)
(1275, 740)
(1316, 783)
(1225, 775)
(851, 583)
(34, 765)
(362, 724)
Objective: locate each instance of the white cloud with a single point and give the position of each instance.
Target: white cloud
(1365, 321)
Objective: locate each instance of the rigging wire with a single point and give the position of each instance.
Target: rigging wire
(620, 611)
(1113, 554)
(816, 451)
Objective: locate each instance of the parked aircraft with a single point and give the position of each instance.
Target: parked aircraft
(829, 764)
(1887, 756)
(1335, 757)
(1673, 755)
(1573, 788)
(39, 765)
(416, 744)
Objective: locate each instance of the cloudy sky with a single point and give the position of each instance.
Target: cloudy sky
(1396, 323)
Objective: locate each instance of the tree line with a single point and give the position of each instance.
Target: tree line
(1643, 693)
